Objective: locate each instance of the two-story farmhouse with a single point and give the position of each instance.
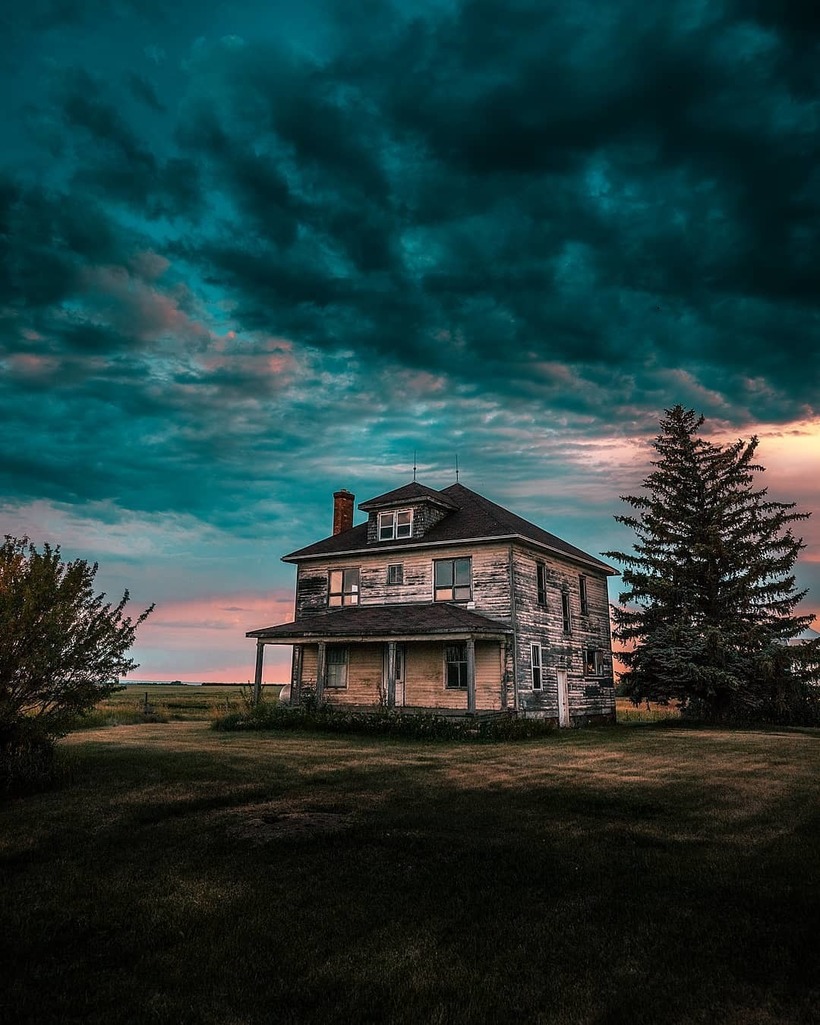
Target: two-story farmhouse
(445, 600)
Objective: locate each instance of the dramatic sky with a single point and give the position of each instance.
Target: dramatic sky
(252, 252)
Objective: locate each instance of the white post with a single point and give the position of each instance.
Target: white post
(391, 674)
(257, 680)
(321, 672)
(470, 674)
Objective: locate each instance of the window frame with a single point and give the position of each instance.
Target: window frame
(583, 593)
(597, 662)
(537, 665)
(454, 586)
(541, 583)
(399, 575)
(342, 666)
(388, 527)
(460, 662)
(345, 590)
(566, 613)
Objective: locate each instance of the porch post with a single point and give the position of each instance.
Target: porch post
(296, 674)
(257, 680)
(470, 674)
(391, 674)
(321, 671)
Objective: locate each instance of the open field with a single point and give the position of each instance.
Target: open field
(635, 874)
(171, 702)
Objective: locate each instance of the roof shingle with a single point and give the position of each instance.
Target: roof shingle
(387, 620)
(473, 518)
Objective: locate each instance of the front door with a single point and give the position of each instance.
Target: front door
(563, 698)
(400, 664)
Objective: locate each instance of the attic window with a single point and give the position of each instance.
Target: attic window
(395, 524)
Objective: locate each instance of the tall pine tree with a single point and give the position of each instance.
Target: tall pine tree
(708, 608)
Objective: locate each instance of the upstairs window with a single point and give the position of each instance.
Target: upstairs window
(452, 579)
(343, 587)
(566, 612)
(455, 666)
(593, 662)
(395, 574)
(535, 650)
(541, 581)
(396, 524)
(582, 586)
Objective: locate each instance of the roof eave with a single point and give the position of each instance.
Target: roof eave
(296, 558)
(370, 638)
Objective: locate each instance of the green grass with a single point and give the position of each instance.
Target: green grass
(626, 711)
(170, 702)
(635, 875)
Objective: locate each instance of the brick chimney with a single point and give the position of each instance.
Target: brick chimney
(342, 510)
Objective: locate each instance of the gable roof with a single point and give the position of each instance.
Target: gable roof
(401, 620)
(474, 518)
(412, 492)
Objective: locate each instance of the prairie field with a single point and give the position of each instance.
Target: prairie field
(641, 873)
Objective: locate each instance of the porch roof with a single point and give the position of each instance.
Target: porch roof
(364, 623)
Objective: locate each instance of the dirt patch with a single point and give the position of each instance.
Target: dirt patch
(262, 826)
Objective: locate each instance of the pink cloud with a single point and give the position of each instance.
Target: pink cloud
(209, 633)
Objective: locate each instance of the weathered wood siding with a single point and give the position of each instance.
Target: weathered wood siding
(491, 591)
(494, 566)
(424, 676)
(589, 697)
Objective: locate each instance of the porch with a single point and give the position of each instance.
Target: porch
(439, 657)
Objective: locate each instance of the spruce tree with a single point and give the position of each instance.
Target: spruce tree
(710, 595)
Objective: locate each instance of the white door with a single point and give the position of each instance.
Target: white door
(563, 698)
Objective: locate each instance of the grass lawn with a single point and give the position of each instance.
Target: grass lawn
(632, 874)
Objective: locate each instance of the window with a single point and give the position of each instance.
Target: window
(536, 666)
(455, 666)
(395, 574)
(582, 584)
(593, 662)
(541, 577)
(397, 524)
(566, 612)
(336, 658)
(453, 580)
(343, 588)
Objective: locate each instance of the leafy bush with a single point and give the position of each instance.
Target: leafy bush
(385, 722)
(62, 648)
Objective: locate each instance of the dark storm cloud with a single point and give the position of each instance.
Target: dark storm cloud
(597, 209)
(142, 89)
(614, 190)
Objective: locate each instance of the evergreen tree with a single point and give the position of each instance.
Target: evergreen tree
(710, 595)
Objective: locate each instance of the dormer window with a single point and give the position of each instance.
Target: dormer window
(395, 524)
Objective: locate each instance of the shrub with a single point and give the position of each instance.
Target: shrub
(385, 722)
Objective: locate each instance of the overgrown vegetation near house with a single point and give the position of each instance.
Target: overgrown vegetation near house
(628, 874)
(384, 722)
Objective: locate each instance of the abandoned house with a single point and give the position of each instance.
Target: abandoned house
(445, 600)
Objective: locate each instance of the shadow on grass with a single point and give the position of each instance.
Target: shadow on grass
(590, 880)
